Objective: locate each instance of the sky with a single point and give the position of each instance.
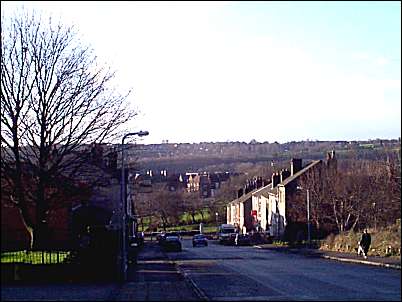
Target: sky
(236, 71)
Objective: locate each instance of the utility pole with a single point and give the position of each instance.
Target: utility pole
(123, 251)
(308, 218)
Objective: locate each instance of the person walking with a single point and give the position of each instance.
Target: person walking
(364, 244)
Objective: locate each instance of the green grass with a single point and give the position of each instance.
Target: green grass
(184, 218)
(280, 243)
(34, 257)
(187, 216)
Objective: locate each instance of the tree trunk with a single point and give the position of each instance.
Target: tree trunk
(28, 226)
(202, 215)
(40, 230)
(163, 217)
(38, 237)
(355, 223)
(150, 223)
(338, 225)
(347, 221)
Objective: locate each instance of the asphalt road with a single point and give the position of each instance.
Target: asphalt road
(228, 273)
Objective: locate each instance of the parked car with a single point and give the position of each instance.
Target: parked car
(242, 239)
(200, 239)
(171, 243)
(256, 238)
(139, 238)
(268, 238)
(160, 237)
(133, 249)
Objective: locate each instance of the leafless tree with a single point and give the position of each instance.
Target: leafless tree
(55, 98)
(192, 204)
(226, 193)
(362, 193)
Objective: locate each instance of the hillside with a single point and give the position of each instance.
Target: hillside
(198, 156)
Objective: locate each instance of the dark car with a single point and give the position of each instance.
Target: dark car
(171, 243)
(133, 249)
(268, 238)
(161, 237)
(200, 239)
(139, 238)
(228, 239)
(256, 238)
(242, 239)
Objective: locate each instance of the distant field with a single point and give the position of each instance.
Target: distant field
(185, 218)
(206, 229)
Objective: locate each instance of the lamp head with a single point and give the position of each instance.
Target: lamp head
(143, 133)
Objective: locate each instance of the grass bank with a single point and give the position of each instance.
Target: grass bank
(385, 242)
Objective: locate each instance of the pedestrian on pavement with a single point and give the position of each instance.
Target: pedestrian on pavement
(364, 244)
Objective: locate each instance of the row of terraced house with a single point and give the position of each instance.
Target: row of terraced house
(278, 208)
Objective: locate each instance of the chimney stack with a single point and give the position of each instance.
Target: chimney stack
(295, 165)
(240, 192)
(332, 162)
(284, 174)
(275, 179)
(259, 182)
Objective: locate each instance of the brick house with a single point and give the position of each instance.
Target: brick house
(105, 194)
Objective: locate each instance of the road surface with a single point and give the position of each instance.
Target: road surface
(225, 273)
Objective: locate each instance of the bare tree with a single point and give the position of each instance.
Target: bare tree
(363, 193)
(226, 193)
(55, 99)
(192, 204)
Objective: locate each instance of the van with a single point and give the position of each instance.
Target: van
(226, 234)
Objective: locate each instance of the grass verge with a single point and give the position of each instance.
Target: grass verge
(34, 257)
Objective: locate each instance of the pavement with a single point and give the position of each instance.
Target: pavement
(154, 278)
(389, 262)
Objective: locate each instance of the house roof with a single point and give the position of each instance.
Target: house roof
(265, 191)
(242, 198)
(299, 173)
(247, 196)
(261, 191)
(272, 191)
(289, 179)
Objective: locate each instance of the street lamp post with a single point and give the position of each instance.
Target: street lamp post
(308, 214)
(308, 218)
(124, 206)
(217, 226)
